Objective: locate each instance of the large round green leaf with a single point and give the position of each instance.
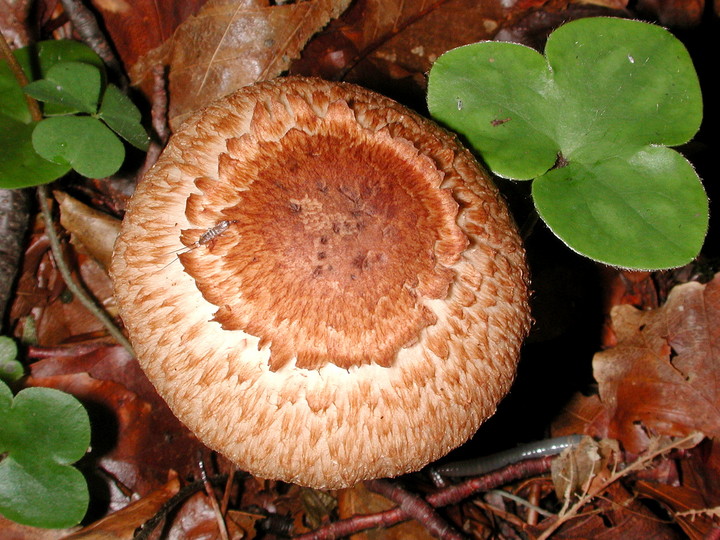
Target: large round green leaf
(594, 111)
(497, 95)
(644, 211)
(83, 142)
(42, 432)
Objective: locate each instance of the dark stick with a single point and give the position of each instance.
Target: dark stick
(416, 508)
(450, 495)
(14, 215)
(88, 29)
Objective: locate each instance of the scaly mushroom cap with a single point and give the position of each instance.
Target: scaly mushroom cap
(351, 295)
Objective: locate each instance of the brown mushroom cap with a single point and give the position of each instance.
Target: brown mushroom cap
(352, 296)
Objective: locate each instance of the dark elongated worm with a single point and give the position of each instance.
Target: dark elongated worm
(486, 464)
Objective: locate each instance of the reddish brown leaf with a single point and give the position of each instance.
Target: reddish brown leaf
(663, 377)
(233, 43)
(138, 26)
(121, 525)
(377, 42)
(135, 441)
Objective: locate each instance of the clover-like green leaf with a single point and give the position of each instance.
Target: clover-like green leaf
(74, 86)
(12, 99)
(586, 121)
(42, 432)
(123, 117)
(36, 60)
(10, 369)
(20, 164)
(83, 142)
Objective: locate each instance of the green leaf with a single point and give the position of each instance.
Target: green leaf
(42, 432)
(495, 95)
(82, 142)
(10, 369)
(38, 58)
(12, 99)
(611, 210)
(597, 106)
(123, 117)
(72, 85)
(20, 164)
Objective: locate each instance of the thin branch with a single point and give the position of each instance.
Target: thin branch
(639, 463)
(147, 528)
(449, 495)
(416, 508)
(87, 27)
(75, 288)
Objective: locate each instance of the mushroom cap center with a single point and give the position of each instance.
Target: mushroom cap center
(328, 237)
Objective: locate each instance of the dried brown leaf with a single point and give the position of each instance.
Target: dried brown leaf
(663, 377)
(94, 230)
(136, 438)
(379, 42)
(232, 43)
(121, 525)
(12, 22)
(138, 26)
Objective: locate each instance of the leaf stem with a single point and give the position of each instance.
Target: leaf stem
(9, 57)
(78, 291)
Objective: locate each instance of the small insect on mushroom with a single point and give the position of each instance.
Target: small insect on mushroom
(205, 238)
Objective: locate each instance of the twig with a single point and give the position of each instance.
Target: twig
(450, 495)
(585, 498)
(87, 27)
(151, 524)
(222, 526)
(14, 215)
(75, 288)
(416, 508)
(523, 502)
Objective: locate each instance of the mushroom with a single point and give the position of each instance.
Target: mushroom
(324, 286)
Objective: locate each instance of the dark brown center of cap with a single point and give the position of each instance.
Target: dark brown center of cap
(325, 240)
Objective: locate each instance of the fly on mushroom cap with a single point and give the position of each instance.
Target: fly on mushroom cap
(352, 296)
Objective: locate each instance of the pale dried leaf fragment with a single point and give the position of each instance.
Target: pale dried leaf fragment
(233, 43)
(664, 373)
(94, 230)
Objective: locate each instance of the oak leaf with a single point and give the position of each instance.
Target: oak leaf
(663, 377)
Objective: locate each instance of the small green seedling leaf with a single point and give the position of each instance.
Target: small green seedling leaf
(123, 117)
(10, 369)
(42, 432)
(74, 86)
(82, 142)
(20, 164)
(589, 121)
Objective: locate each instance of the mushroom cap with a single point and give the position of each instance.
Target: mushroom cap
(351, 292)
